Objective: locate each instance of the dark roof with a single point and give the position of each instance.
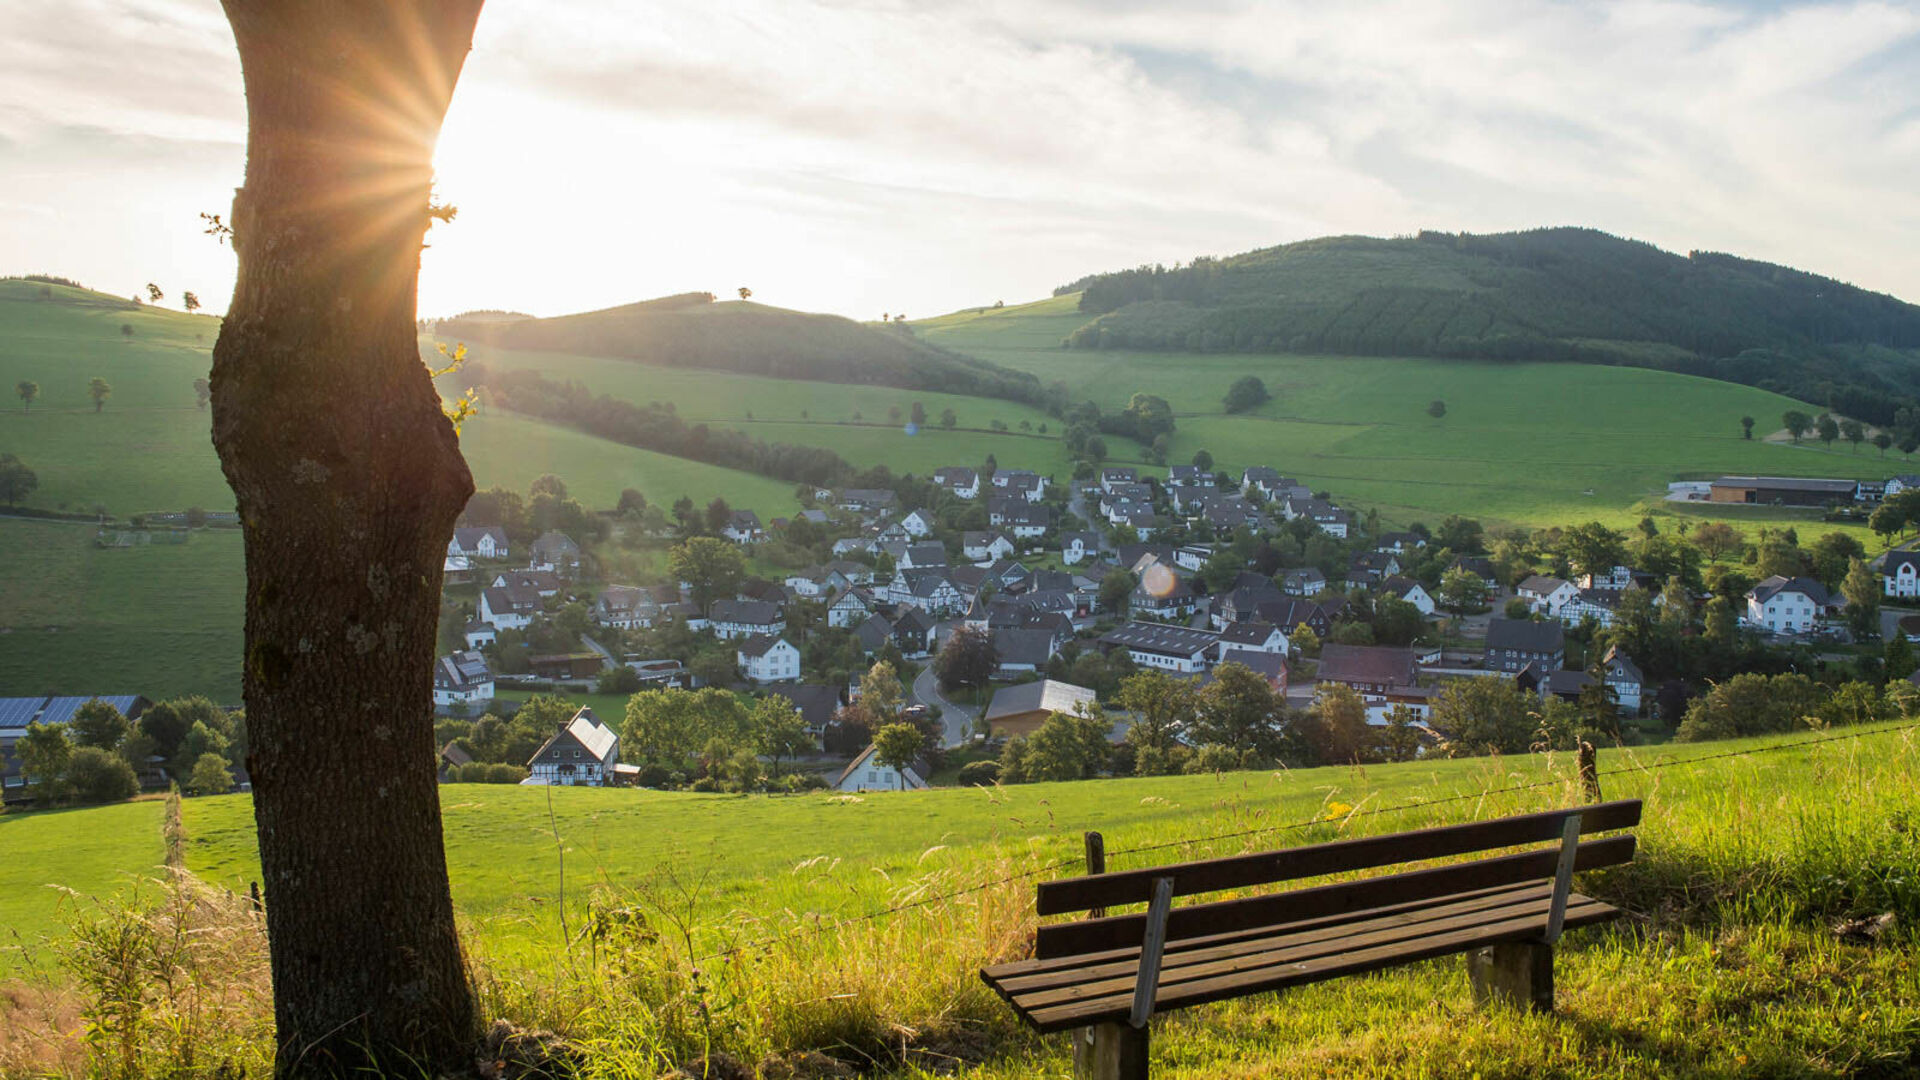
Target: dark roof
(758, 644)
(1024, 646)
(1542, 584)
(1627, 667)
(815, 703)
(453, 755)
(1401, 586)
(1382, 665)
(1161, 638)
(1247, 633)
(1788, 483)
(927, 553)
(1049, 694)
(1777, 584)
(1525, 635)
(1567, 682)
(874, 632)
(745, 612)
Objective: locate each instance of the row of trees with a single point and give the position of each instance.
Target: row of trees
(548, 505)
(99, 755)
(98, 389)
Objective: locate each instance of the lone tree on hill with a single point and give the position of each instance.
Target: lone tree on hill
(126, 329)
(190, 302)
(1746, 427)
(745, 292)
(1437, 409)
(1796, 422)
(348, 477)
(154, 294)
(1247, 392)
(1882, 440)
(99, 390)
(16, 480)
(1203, 460)
(1829, 429)
(28, 390)
(948, 419)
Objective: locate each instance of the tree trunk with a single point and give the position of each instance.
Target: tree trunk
(347, 478)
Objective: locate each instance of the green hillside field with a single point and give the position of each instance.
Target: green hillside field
(1726, 969)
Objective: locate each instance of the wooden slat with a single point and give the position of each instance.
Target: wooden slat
(1316, 860)
(1243, 984)
(1031, 966)
(1147, 980)
(1221, 916)
(1011, 979)
(1290, 949)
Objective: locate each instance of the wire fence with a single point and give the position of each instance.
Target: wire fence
(1634, 767)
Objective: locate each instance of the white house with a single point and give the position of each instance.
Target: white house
(1546, 595)
(931, 553)
(850, 608)
(1411, 591)
(485, 542)
(744, 528)
(868, 773)
(1786, 605)
(555, 551)
(767, 658)
(1024, 483)
(1251, 637)
(981, 547)
(745, 618)
(1901, 573)
(1903, 482)
(1595, 604)
(1168, 647)
(461, 679)
(479, 633)
(1623, 675)
(964, 483)
(1076, 547)
(508, 607)
(584, 753)
(624, 607)
(918, 524)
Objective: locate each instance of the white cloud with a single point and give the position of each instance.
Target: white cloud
(861, 157)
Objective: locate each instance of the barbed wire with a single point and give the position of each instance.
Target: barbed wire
(1635, 766)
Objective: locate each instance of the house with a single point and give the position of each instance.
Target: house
(1189, 476)
(867, 500)
(1623, 675)
(873, 634)
(1898, 484)
(1784, 605)
(1020, 710)
(868, 773)
(768, 658)
(1179, 649)
(1369, 568)
(461, 680)
(743, 527)
(1410, 591)
(983, 546)
(745, 618)
(930, 590)
(1118, 474)
(508, 607)
(1023, 651)
(478, 634)
(625, 607)
(1163, 595)
(1595, 604)
(1024, 520)
(1512, 644)
(543, 583)
(1399, 543)
(807, 584)
(662, 674)
(1369, 669)
(1325, 516)
(583, 753)
(1565, 684)
(482, 542)
(1192, 557)
(1305, 581)
(918, 523)
(1619, 577)
(452, 757)
(913, 633)
(922, 555)
(1269, 666)
(1545, 595)
(1900, 572)
(964, 483)
(815, 704)
(855, 545)
(1024, 483)
(564, 666)
(850, 607)
(555, 552)
(1251, 637)
(456, 569)
(1479, 566)
(1076, 547)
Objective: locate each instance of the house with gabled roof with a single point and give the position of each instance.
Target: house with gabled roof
(1024, 484)
(480, 542)
(555, 551)
(625, 607)
(1545, 595)
(850, 607)
(1178, 649)
(1076, 547)
(962, 482)
(745, 618)
(767, 658)
(1623, 675)
(1513, 644)
(1020, 710)
(1251, 637)
(1784, 605)
(868, 773)
(984, 545)
(583, 753)
(460, 681)
(913, 633)
(1368, 669)
(508, 607)
(1900, 573)
(1024, 650)
(1303, 581)
(544, 583)
(1409, 590)
(815, 704)
(930, 553)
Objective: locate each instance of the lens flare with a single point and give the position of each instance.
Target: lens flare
(1157, 580)
(913, 428)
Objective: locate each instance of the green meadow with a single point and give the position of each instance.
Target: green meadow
(1725, 967)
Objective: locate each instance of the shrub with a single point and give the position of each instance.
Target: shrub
(209, 776)
(979, 773)
(97, 776)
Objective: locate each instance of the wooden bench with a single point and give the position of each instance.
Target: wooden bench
(1105, 976)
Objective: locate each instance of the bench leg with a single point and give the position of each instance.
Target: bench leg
(1518, 974)
(1113, 1051)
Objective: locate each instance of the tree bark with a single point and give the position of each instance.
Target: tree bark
(348, 478)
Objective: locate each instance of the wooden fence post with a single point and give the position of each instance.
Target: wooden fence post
(253, 896)
(1590, 771)
(1096, 864)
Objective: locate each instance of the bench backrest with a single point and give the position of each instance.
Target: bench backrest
(1317, 860)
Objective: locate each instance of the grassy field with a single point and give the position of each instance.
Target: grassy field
(1726, 969)
(160, 619)
(1534, 444)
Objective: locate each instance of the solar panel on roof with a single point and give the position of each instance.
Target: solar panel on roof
(15, 712)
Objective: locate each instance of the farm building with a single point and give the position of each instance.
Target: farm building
(583, 753)
(1781, 490)
(1020, 710)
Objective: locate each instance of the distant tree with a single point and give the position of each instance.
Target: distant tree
(190, 302)
(16, 480)
(631, 502)
(1162, 707)
(718, 514)
(98, 724)
(897, 746)
(1437, 408)
(1720, 622)
(1796, 422)
(1067, 747)
(948, 419)
(96, 776)
(1483, 715)
(1095, 449)
(744, 292)
(711, 567)
(1115, 589)
(1026, 425)
(1516, 608)
(547, 484)
(1203, 460)
(1861, 587)
(1882, 441)
(1828, 429)
(154, 294)
(917, 415)
(209, 776)
(1899, 658)
(1717, 539)
(1462, 591)
(99, 390)
(1461, 535)
(1909, 443)
(1341, 725)
(618, 679)
(28, 390)
(126, 329)
(1592, 547)
(967, 659)
(1746, 427)
(1247, 392)
(1854, 432)
(44, 752)
(881, 693)
(202, 392)
(894, 412)
(1238, 711)
(779, 730)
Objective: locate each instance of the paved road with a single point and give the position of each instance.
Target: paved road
(607, 659)
(957, 718)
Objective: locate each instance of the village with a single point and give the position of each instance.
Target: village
(979, 606)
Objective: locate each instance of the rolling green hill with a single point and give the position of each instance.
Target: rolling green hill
(1545, 294)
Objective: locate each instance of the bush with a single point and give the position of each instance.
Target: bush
(480, 772)
(1517, 609)
(97, 776)
(980, 774)
(209, 776)
(619, 679)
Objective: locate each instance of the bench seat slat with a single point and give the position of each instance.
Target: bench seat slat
(1119, 931)
(1009, 980)
(1282, 969)
(1318, 860)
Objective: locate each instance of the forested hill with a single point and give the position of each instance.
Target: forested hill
(693, 330)
(1547, 294)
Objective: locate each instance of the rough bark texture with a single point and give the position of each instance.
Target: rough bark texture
(348, 479)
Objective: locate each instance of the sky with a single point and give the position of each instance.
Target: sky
(870, 156)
